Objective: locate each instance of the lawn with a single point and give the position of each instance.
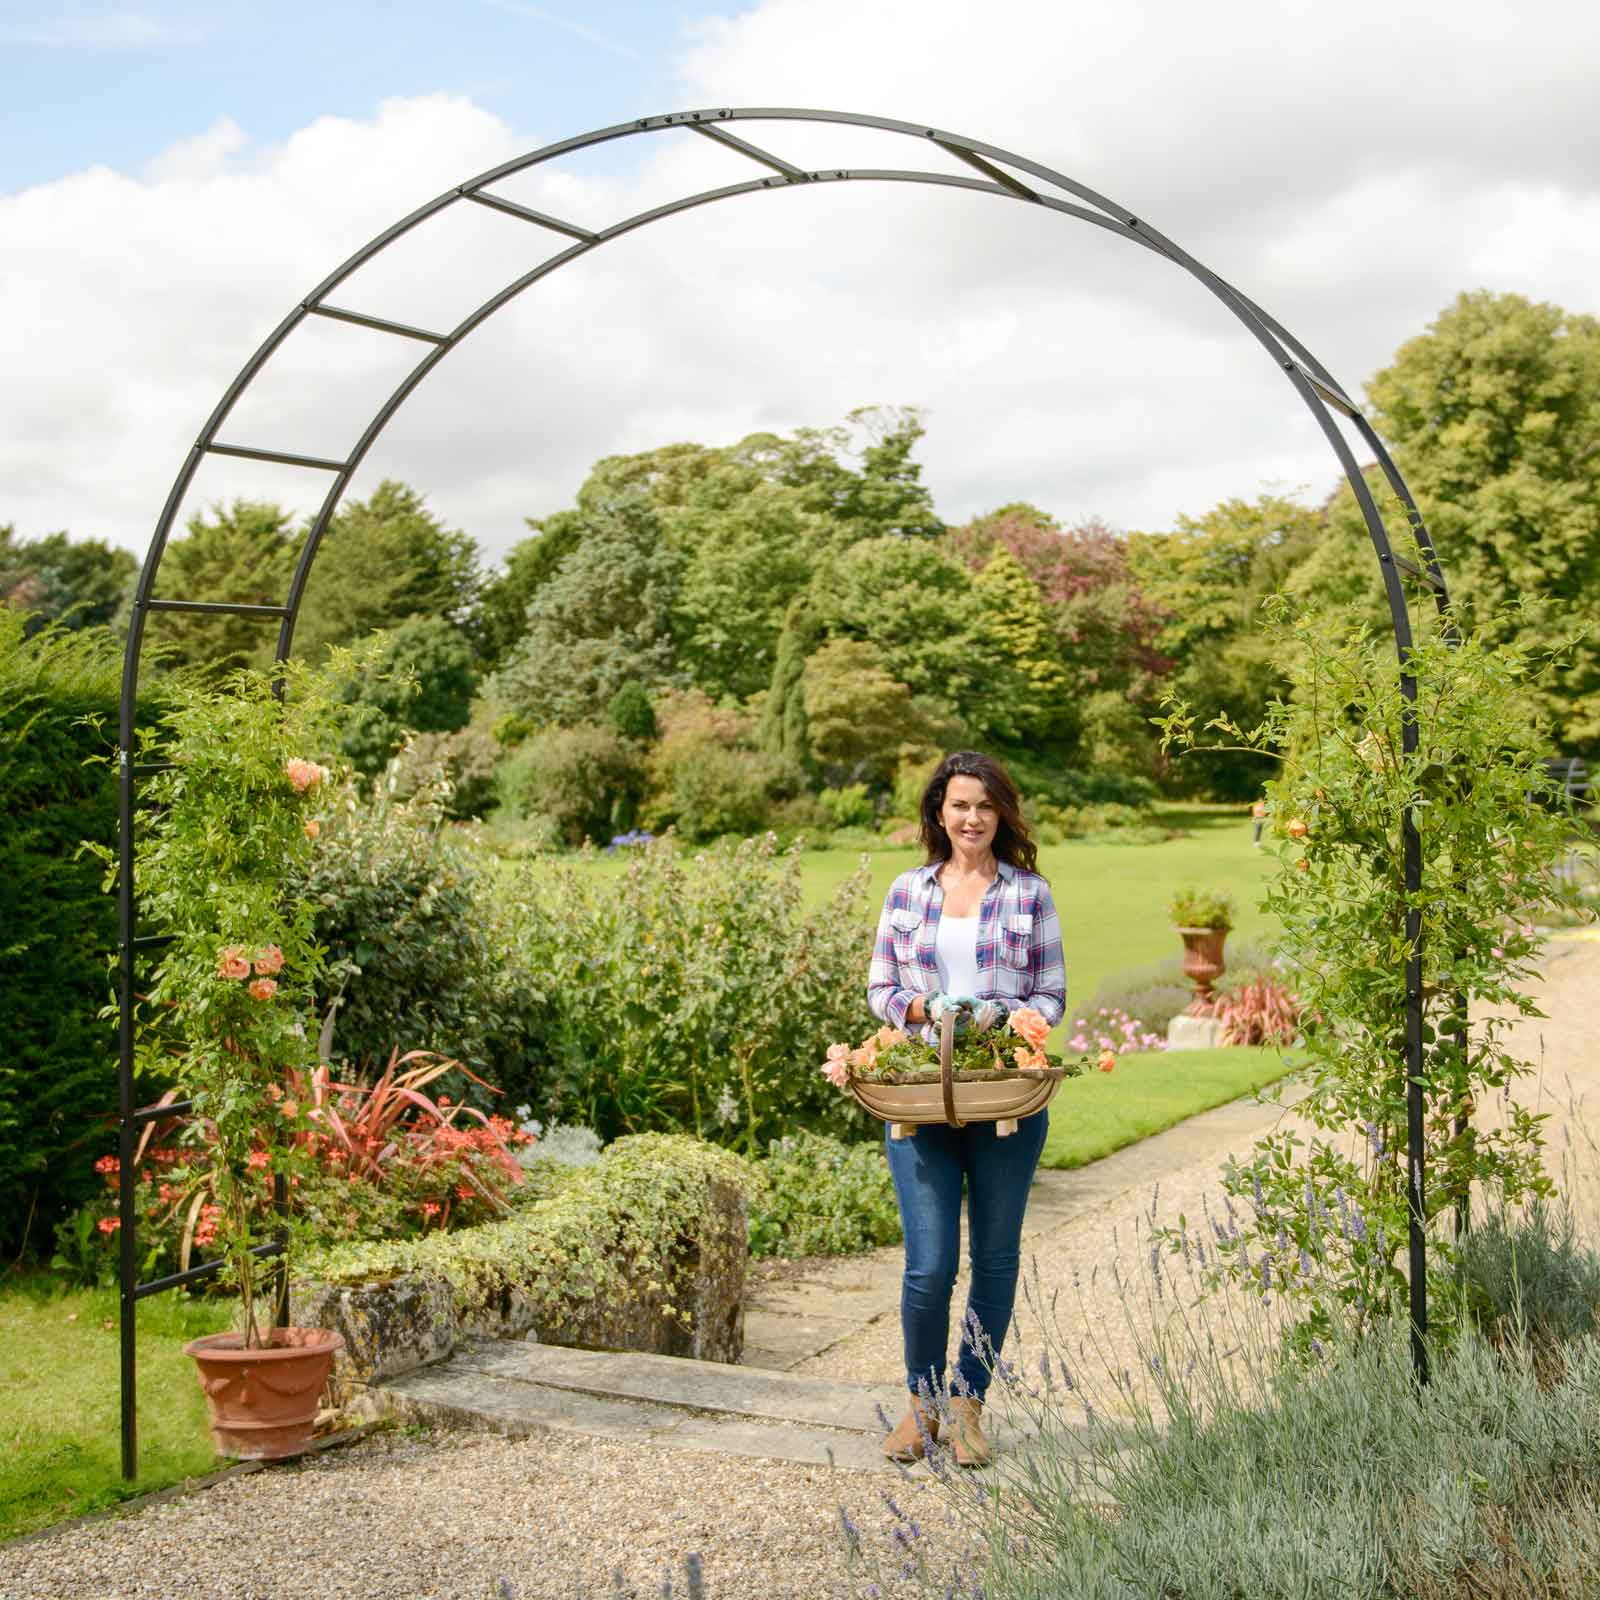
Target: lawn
(60, 1449)
(1112, 897)
(1101, 1112)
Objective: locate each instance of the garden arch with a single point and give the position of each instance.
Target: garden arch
(995, 171)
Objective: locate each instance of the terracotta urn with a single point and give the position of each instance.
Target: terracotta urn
(1202, 962)
(264, 1401)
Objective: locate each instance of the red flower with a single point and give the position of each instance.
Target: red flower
(108, 1164)
(109, 1224)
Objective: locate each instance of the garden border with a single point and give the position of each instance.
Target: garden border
(998, 172)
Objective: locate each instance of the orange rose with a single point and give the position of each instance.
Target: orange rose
(1108, 1060)
(1297, 828)
(233, 963)
(1029, 1026)
(269, 962)
(303, 774)
(263, 989)
(313, 827)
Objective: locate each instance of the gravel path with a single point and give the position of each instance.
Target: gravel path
(557, 1516)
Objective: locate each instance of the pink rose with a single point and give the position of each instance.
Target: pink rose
(233, 963)
(263, 989)
(269, 962)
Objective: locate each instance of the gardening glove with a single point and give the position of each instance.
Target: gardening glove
(988, 1014)
(962, 1005)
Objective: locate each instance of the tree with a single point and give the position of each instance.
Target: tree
(77, 582)
(418, 678)
(1494, 416)
(503, 610)
(1022, 641)
(857, 716)
(381, 561)
(243, 552)
(1208, 578)
(604, 619)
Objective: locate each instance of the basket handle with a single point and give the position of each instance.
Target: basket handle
(947, 1039)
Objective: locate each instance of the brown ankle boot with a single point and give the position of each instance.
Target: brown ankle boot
(912, 1434)
(966, 1432)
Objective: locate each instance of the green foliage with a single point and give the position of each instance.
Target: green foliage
(1492, 414)
(58, 700)
(244, 552)
(575, 783)
(821, 1197)
(690, 992)
(1200, 908)
(416, 678)
(607, 1234)
(78, 583)
(783, 731)
(385, 562)
(632, 714)
(460, 765)
(415, 957)
(850, 807)
(1020, 644)
(1208, 579)
(856, 715)
(1489, 852)
(602, 619)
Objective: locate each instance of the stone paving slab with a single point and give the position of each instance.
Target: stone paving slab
(518, 1389)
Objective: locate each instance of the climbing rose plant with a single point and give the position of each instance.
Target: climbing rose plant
(225, 1015)
(1323, 1219)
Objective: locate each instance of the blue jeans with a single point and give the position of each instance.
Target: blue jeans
(928, 1171)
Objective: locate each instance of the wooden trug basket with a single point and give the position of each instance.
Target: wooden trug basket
(907, 1100)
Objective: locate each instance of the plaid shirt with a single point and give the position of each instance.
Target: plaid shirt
(1019, 946)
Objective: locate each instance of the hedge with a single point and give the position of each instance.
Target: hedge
(58, 1077)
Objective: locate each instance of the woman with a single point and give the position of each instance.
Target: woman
(974, 930)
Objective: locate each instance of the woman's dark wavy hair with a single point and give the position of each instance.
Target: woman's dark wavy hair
(1012, 843)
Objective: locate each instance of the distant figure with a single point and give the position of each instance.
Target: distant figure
(1258, 814)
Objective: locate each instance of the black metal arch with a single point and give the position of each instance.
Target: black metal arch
(998, 172)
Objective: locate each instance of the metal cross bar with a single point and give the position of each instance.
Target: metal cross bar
(1412, 570)
(1335, 397)
(206, 1269)
(232, 608)
(989, 170)
(284, 458)
(173, 1108)
(733, 142)
(378, 324)
(528, 214)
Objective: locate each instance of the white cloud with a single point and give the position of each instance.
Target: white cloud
(1351, 177)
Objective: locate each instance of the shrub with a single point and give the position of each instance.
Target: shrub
(417, 676)
(693, 993)
(1154, 994)
(820, 1197)
(632, 714)
(58, 1075)
(577, 783)
(415, 955)
(708, 790)
(461, 765)
(850, 807)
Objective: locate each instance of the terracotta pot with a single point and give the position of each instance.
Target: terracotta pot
(1202, 960)
(264, 1401)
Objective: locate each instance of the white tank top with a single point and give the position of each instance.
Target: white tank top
(956, 949)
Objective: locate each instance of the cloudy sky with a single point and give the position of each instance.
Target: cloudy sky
(174, 179)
